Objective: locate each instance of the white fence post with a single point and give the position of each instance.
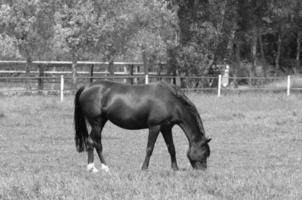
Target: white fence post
(219, 86)
(147, 79)
(62, 88)
(288, 86)
(126, 73)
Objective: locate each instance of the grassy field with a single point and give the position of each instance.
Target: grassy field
(256, 153)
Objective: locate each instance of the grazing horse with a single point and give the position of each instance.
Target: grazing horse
(157, 106)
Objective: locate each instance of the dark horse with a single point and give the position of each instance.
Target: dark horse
(157, 107)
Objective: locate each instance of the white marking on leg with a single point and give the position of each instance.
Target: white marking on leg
(105, 168)
(88, 126)
(91, 168)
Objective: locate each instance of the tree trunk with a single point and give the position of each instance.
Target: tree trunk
(237, 48)
(219, 44)
(262, 54)
(254, 53)
(261, 47)
(277, 59)
(172, 66)
(145, 61)
(299, 38)
(27, 72)
(237, 61)
(74, 70)
(230, 44)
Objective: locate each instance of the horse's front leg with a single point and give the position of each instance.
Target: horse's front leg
(167, 134)
(153, 134)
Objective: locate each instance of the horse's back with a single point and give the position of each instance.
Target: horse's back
(130, 106)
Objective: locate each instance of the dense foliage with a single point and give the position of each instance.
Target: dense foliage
(259, 37)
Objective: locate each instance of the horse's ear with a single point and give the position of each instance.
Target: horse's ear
(205, 141)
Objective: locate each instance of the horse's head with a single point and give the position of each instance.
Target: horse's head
(198, 154)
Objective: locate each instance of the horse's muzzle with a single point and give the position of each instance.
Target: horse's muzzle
(199, 165)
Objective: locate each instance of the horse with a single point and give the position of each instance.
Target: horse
(156, 106)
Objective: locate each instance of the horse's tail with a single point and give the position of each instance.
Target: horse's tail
(81, 132)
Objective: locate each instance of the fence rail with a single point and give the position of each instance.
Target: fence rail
(67, 62)
(64, 84)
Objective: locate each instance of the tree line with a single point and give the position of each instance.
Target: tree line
(255, 37)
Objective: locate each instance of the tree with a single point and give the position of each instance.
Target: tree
(118, 28)
(190, 35)
(155, 32)
(8, 49)
(283, 15)
(204, 27)
(76, 30)
(29, 24)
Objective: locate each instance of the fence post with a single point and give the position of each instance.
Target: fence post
(147, 79)
(91, 73)
(62, 88)
(41, 76)
(288, 86)
(126, 73)
(219, 86)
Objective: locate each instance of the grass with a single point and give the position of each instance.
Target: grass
(256, 153)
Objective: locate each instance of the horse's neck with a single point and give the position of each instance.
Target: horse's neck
(191, 127)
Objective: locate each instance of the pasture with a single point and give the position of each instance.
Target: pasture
(256, 153)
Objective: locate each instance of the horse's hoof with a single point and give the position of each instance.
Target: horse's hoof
(94, 170)
(105, 168)
(174, 167)
(91, 168)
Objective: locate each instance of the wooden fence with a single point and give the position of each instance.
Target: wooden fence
(56, 77)
(44, 71)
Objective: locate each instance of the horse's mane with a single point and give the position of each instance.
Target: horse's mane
(186, 101)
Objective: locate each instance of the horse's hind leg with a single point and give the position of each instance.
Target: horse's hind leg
(153, 134)
(90, 147)
(96, 136)
(167, 134)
